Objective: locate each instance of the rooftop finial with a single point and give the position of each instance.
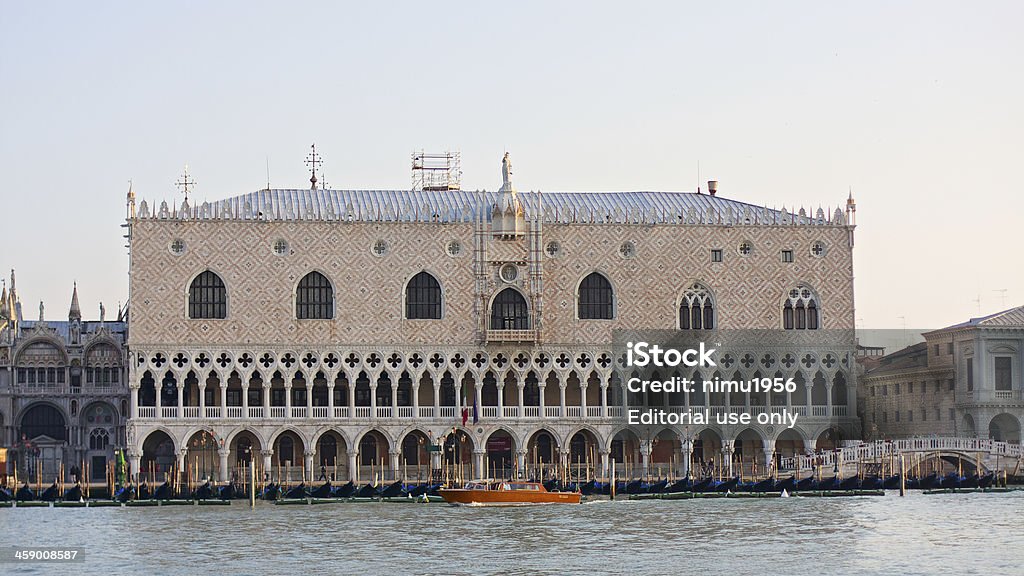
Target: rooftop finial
(185, 183)
(75, 313)
(312, 161)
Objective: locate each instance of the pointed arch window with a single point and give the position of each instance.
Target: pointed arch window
(423, 297)
(596, 299)
(314, 298)
(509, 311)
(207, 297)
(800, 311)
(697, 309)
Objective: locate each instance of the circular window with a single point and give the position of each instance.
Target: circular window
(552, 249)
(454, 248)
(509, 272)
(280, 247)
(178, 247)
(818, 249)
(628, 249)
(380, 248)
(745, 248)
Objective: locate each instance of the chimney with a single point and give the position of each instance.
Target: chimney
(712, 187)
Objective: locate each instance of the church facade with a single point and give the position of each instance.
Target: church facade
(63, 392)
(398, 332)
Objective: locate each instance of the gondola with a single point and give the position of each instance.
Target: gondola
(204, 492)
(344, 491)
(392, 490)
(851, 483)
(163, 492)
(144, 492)
(124, 493)
(226, 492)
(552, 485)
(728, 485)
(703, 486)
(73, 494)
(297, 492)
(827, 483)
(787, 484)
(891, 483)
(657, 487)
(367, 491)
(987, 480)
(871, 483)
(634, 487)
(683, 485)
(588, 488)
(5, 494)
(951, 480)
(805, 484)
(766, 485)
(324, 491)
(24, 494)
(971, 481)
(271, 492)
(50, 494)
(929, 482)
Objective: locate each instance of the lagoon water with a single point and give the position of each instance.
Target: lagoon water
(956, 534)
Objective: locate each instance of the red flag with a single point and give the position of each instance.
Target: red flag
(465, 415)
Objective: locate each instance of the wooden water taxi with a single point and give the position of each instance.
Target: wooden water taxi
(506, 493)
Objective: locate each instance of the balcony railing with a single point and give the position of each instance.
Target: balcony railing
(320, 411)
(573, 411)
(819, 410)
(510, 411)
(147, 411)
(341, 412)
(169, 412)
(839, 410)
(236, 412)
(404, 411)
(255, 411)
(362, 411)
(511, 335)
(213, 411)
(615, 411)
(489, 411)
(552, 411)
(191, 411)
(531, 411)
(426, 411)
(593, 411)
(384, 411)
(447, 412)
(277, 411)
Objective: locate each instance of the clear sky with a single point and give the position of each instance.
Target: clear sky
(916, 106)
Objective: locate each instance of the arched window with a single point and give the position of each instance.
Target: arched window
(207, 297)
(697, 309)
(43, 420)
(314, 298)
(509, 311)
(99, 439)
(596, 300)
(423, 298)
(800, 312)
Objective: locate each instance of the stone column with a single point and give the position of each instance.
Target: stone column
(134, 399)
(353, 462)
(395, 464)
(521, 384)
(604, 398)
(685, 454)
(435, 460)
(182, 455)
(520, 463)
(561, 397)
(501, 399)
(202, 399)
(245, 398)
(308, 465)
(769, 453)
(135, 463)
(268, 463)
(223, 453)
(180, 383)
(645, 458)
(478, 464)
(727, 456)
(159, 387)
(224, 398)
(583, 399)
(287, 399)
(604, 471)
(373, 398)
(330, 398)
(541, 386)
(309, 395)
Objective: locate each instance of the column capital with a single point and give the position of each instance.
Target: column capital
(266, 453)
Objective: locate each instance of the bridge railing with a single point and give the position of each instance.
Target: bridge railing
(885, 448)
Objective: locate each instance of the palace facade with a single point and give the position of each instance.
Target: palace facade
(395, 332)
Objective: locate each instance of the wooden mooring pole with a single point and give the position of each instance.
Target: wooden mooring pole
(903, 476)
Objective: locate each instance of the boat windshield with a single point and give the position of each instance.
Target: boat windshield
(518, 486)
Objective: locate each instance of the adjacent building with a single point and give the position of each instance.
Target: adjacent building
(964, 380)
(63, 391)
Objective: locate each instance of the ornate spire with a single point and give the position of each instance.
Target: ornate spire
(4, 308)
(76, 312)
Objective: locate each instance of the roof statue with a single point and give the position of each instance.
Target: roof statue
(103, 312)
(41, 310)
(506, 173)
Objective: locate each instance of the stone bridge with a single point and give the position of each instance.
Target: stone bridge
(972, 452)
